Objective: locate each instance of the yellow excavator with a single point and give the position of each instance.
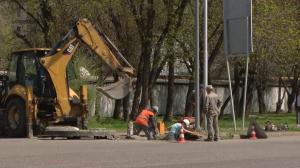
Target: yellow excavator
(35, 88)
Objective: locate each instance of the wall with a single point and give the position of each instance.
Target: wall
(160, 94)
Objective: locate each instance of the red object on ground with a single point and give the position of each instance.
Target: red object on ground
(253, 134)
(181, 136)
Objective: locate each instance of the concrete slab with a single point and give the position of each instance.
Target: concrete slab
(61, 128)
(236, 137)
(73, 132)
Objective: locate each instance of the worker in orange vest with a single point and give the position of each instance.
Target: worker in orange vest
(146, 122)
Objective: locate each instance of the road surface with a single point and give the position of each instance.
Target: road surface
(268, 153)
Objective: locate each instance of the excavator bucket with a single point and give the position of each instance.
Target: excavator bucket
(117, 90)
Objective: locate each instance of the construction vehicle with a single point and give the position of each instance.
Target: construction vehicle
(35, 88)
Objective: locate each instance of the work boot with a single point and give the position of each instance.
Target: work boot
(150, 138)
(216, 139)
(208, 140)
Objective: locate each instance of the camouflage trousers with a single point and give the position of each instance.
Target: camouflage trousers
(212, 123)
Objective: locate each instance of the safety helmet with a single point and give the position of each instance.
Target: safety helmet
(201, 87)
(155, 109)
(209, 87)
(187, 122)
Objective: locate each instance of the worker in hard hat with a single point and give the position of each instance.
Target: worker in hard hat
(174, 130)
(146, 122)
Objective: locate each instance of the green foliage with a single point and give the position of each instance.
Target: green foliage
(275, 38)
(8, 41)
(88, 77)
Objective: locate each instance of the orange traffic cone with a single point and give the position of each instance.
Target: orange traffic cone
(181, 136)
(253, 134)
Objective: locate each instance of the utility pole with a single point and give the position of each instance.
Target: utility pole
(197, 83)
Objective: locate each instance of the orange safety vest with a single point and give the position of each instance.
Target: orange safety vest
(143, 118)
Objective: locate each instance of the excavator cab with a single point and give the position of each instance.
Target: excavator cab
(25, 70)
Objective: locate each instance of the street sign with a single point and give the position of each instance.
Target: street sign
(237, 16)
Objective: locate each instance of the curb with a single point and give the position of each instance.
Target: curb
(275, 134)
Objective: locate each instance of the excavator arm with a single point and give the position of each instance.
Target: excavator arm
(93, 37)
(56, 62)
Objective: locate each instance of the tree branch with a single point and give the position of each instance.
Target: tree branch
(30, 14)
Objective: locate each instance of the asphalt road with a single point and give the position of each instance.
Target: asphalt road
(268, 153)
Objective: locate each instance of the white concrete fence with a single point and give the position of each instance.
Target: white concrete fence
(106, 108)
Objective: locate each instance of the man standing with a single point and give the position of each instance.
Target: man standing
(191, 99)
(297, 107)
(144, 119)
(212, 105)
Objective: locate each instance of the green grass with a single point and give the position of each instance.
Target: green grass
(225, 124)
(107, 123)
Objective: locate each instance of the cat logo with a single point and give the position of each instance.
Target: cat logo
(70, 49)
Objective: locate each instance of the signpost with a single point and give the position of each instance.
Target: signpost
(237, 15)
(205, 62)
(197, 102)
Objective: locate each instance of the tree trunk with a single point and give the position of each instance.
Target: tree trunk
(118, 112)
(138, 89)
(126, 107)
(236, 103)
(291, 96)
(237, 79)
(249, 96)
(189, 107)
(235, 94)
(261, 101)
(169, 111)
(223, 107)
(291, 99)
(147, 51)
(279, 102)
(118, 103)
(248, 101)
(145, 25)
(146, 75)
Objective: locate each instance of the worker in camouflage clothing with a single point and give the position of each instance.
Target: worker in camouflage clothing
(191, 99)
(212, 105)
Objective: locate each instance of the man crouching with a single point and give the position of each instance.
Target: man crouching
(174, 130)
(146, 122)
